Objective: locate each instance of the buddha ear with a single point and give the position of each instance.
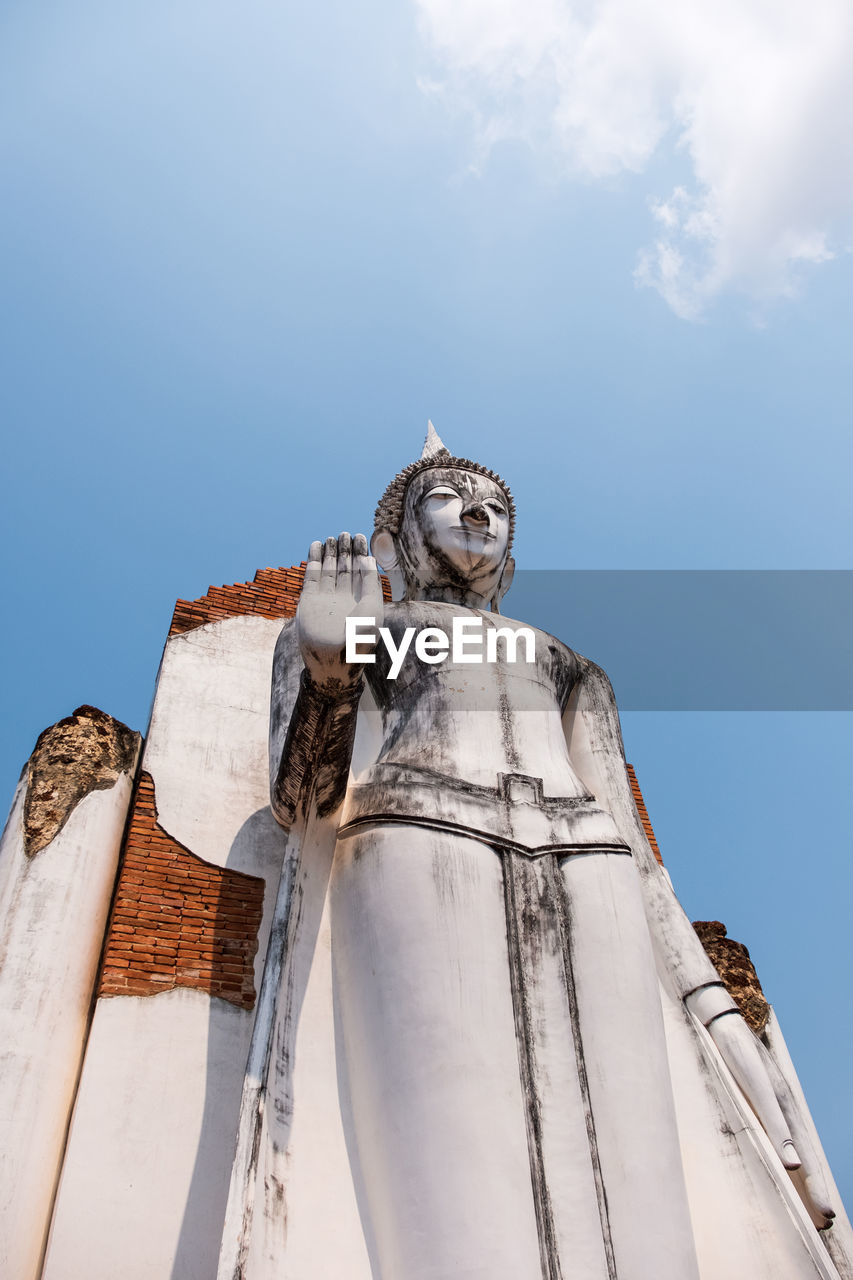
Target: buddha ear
(384, 549)
(504, 584)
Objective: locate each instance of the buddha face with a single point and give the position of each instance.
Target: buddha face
(455, 533)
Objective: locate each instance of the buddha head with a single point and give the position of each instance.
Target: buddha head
(444, 528)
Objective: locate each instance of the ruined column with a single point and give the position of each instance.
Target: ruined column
(58, 862)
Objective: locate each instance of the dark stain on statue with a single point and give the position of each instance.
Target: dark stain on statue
(533, 913)
(507, 729)
(317, 749)
(564, 908)
(276, 1207)
(523, 952)
(283, 1100)
(442, 877)
(85, 752)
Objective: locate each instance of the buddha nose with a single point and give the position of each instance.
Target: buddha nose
(476, 513)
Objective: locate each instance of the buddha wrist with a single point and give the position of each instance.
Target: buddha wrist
(318, 747)
(333, 679)
(710, 1002)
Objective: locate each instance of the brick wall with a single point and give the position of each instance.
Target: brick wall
(641, 809)
(273, 593)
(178, 921)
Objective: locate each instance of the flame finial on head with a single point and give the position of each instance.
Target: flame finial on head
(433, 445)
(389, 512)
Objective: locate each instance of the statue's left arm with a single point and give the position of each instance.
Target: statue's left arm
(594, 738)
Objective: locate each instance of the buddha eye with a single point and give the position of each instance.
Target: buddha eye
(441, 491)
(494, 505)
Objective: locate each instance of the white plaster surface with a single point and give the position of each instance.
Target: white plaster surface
(207, 751)
(747, 1217)
(839, 1238)
(144, 1183)
(429, 1058)
(54, 910)
(315, 1228)
(625, 1052)
(208, 742)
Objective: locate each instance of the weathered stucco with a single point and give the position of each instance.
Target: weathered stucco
(53, 910)
(84, 752)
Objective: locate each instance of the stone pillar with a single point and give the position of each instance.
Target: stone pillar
(58, 862)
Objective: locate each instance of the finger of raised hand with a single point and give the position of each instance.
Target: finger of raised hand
(369, 583)
(311, 581)
(329, 571)
(344, 564)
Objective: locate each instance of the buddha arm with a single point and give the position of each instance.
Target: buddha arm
(312, 728)
(595, 746)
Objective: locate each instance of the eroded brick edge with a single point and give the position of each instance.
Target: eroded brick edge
(643, 812)
(273, 593)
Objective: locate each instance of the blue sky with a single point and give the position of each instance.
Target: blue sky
(248, 250)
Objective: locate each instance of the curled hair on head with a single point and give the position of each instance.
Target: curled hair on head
(389, 511)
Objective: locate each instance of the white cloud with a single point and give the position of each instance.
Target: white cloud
(757, 94)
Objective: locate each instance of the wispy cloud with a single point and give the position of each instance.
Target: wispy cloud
(757, 95)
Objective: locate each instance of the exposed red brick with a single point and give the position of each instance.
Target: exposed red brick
(274, 593)
(177, 920)
(641, 809)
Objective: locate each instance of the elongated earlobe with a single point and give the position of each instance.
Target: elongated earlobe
(384, 549)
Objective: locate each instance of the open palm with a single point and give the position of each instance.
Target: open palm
(341, 581)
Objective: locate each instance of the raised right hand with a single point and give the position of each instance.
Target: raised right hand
(341, 581)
